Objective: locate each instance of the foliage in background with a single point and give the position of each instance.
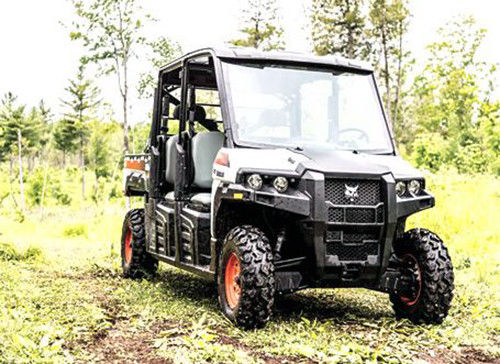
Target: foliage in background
(111, 31)
(339, 27)
(454, 119)
(261, 26)
(373, 31)
(160, 52)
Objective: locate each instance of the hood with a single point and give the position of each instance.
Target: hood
(356, 164)
(324, 161)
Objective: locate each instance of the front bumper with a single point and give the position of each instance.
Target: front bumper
(310, 205)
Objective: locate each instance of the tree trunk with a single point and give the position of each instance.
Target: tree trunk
(395, 113)
(21, 185)
(125, 100)
(82, 165)
(386, 76)
(44, 187)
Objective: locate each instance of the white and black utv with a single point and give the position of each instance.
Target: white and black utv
(274, 172)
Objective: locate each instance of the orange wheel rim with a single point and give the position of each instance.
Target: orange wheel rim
(128, 247)
(232, 279)
(410, 301)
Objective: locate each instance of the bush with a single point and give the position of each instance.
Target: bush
(75, 230)
(53, 187)
(429, 151)
(8, 252)
(471, 159)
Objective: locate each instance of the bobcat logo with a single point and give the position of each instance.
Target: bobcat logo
(351, 192)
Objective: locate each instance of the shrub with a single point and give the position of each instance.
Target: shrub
(8, 252)
(429, 151)
(75, 230)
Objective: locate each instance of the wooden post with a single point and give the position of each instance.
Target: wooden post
(21, 185)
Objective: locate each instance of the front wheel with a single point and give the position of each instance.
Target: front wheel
(246, 277)
(425, 263)
(136, 261)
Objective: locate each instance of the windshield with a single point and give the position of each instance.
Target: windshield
(297, 107)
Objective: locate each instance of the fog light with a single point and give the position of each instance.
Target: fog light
(414, 187)
(255, 181)
(280, 184)
(400, 188)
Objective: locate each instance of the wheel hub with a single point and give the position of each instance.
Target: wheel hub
(412, 273)
(128, 247)
(232, 281)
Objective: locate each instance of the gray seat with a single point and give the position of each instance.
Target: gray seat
(204, 149)
(201, 201)
(171, 154)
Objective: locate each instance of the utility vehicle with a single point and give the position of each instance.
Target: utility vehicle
(274, 172)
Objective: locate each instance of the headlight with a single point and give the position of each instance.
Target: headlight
(400, 188)
(255, 181)
(414, 187)
(280, 184)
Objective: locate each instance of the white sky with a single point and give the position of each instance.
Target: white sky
(37, 57)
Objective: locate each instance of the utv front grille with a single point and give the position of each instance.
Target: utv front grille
(351, 201)
(359, 252)
(355, 218)
(368, 191)
(350, 245)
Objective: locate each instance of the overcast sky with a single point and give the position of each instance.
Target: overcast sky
(37, 57)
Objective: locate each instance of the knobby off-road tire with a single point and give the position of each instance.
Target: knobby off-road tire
(434, 292)
(136, 261)
(245, 277)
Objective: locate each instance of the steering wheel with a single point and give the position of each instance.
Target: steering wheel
(362, 136)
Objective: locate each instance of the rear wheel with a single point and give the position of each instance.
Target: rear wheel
(136, 261)
(426, 265)
(246, 277)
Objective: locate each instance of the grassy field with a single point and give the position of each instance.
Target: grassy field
(62, 298)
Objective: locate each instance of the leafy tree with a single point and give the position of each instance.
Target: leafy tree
(389, 20)
(65, 135)
(19, 132)
(72, 131)
(452, 98)
(261, 26)
(339, 27)
(161, 51)
(13, 117)
(111, 30)
(102, 153)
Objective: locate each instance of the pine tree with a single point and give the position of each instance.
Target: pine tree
(339, 27)
(261, 26)
(389, 24)
(81, 104)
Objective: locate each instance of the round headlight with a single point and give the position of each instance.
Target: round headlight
(414, 187)
(400, 188)
(281, 184)
(255, 181)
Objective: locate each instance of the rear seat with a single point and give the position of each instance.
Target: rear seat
(204, 149)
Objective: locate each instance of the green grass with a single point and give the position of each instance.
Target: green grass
(62, 298)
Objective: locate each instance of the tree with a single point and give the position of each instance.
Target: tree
(339, 27)
(17, 131)
(261, 26)
(452, 102)
(81, 104)
(389, 20)
(161, 51)
(111, 32)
